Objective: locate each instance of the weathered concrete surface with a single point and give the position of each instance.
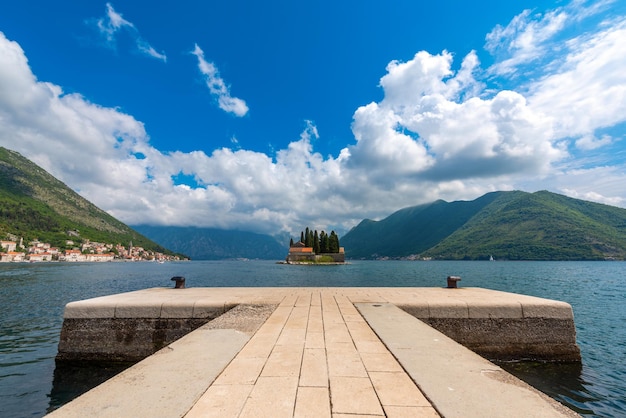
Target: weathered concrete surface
(120, 339)
(458, 382)
(548, 339)
(131, 326)
(169, 382)
(498, 325)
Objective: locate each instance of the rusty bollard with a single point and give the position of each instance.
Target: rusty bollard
(180, 282)
(452, 281)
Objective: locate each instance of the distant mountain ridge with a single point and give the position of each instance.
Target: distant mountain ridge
(215, 244)
(35, 205)
(512, 225)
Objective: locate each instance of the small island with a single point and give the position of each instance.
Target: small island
(314, 248)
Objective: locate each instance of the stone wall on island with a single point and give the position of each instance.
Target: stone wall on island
(316, 258)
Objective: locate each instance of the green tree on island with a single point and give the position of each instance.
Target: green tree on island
(321, 243)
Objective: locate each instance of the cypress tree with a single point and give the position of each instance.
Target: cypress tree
(323, 242)
(320, 242)
(316, 243)
(290, 242)
(333, 242)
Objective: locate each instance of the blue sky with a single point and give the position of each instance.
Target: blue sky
(272, 116)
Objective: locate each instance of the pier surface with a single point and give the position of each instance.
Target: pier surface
(315, 352)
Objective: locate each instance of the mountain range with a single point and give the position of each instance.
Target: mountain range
(511, 225)
(215, 244)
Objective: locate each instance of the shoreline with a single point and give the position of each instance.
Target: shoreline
(313, 263)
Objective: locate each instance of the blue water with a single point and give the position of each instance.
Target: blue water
(32, 298)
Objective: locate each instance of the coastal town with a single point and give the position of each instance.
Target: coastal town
(87, 251)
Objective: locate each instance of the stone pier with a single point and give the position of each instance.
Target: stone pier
(322, 352)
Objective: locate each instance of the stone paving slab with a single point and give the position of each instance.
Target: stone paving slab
(457, 381)
(423, 302)
(168, 382)
(155, 387)
(334, 379)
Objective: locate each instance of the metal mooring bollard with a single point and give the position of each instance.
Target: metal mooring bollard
(452, 281)
(180, 282)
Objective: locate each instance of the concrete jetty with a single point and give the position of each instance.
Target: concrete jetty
(318, 352)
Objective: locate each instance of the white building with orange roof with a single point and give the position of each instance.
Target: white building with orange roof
(40, 257)
(12, 256)
(8, 246)
(73, 255)
(99, 257)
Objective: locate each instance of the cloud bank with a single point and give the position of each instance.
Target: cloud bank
(440, 131)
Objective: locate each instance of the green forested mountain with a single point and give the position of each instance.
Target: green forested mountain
(35, 205)
(505, 225)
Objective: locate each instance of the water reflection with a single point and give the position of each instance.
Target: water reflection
(72, 379)
(561, 381)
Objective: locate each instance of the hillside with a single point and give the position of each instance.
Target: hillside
(411, 230)
(506, 225)
(35, 205)
(215, 244)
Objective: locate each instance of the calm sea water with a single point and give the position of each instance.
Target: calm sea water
(32, 298)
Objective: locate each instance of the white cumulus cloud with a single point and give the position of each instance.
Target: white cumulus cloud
(428, 127)
(218, 87)
(439, 132)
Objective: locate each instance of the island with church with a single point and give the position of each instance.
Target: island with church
(314, 248)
